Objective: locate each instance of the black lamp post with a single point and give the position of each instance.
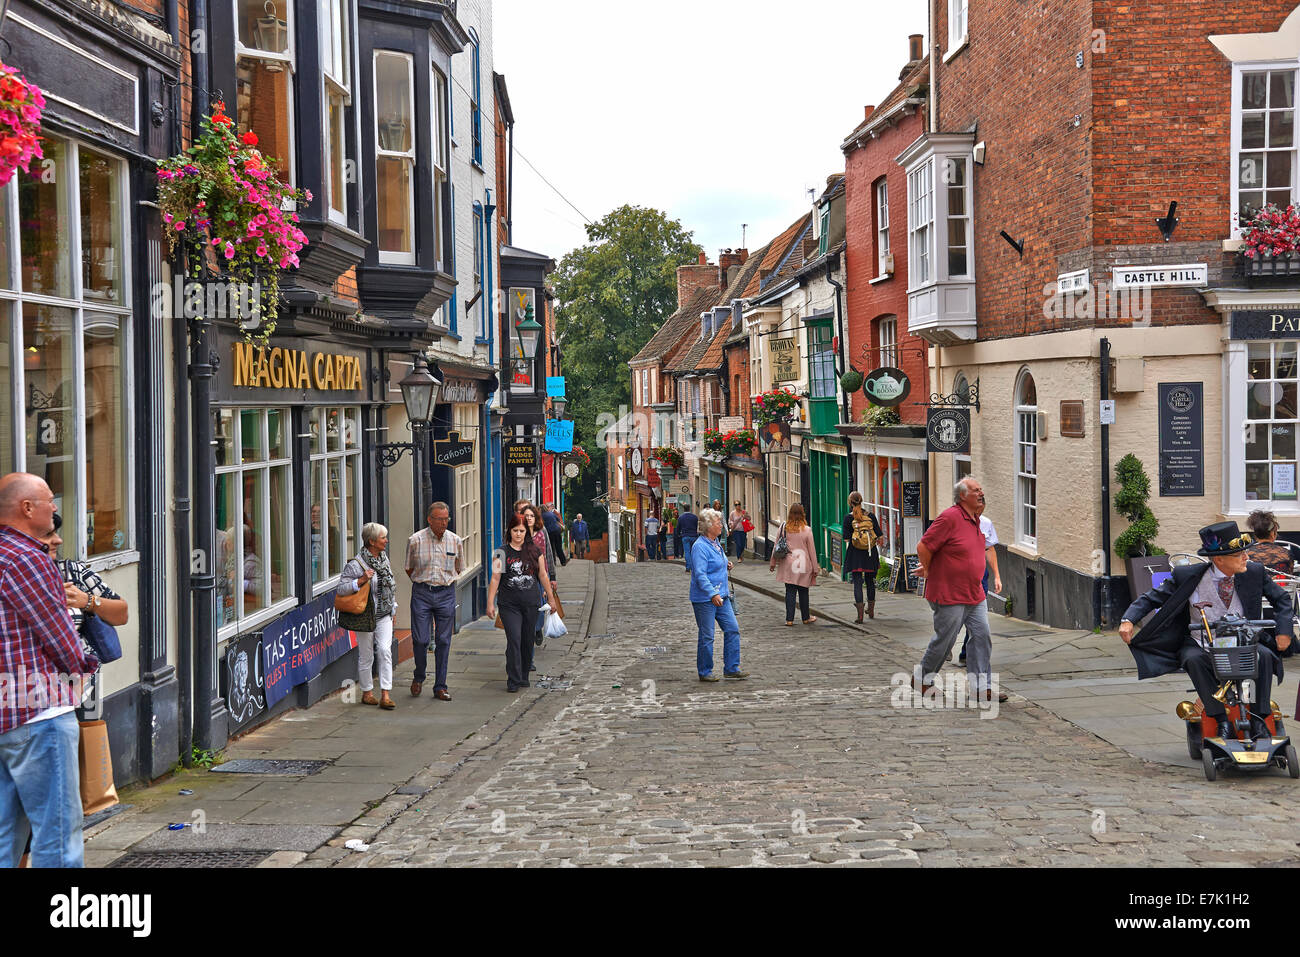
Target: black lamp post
(529, 334)
(420, 395)
(558, 405)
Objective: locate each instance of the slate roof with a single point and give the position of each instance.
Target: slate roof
(676, 325)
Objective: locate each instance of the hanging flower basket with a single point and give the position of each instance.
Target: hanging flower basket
(775, 405)
(579, 455)
(735, 442)
(668, 457)
(223, 202)
(20, 123)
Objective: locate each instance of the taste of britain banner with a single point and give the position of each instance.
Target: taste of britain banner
(297, 647)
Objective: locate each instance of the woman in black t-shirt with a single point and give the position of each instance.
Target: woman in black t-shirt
(516, 572)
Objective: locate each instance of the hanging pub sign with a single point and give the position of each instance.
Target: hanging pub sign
(459, 390)
(947, 429)
(785, 360)
(775, 437)
(453, 451)
(887, 386)
(1182, 438)
(1264, 324)
(635, 462)
(521, 455)
(559, 435)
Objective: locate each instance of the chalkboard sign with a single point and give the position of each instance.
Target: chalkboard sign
(911, 500)
(837, 549)
(913, 563)
(893, 577)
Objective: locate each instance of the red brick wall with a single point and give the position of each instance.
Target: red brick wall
(346, 285)
(865, 302)
(695, 276)
(738, 365)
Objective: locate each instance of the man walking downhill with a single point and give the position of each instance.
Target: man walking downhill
(952, 554)
(434, 560)
(581, 537)
(689, 526)
(42, 657)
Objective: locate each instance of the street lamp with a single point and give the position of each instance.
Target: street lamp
(558, 404)
(529, 333)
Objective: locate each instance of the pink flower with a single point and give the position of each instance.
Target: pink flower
(230, 251)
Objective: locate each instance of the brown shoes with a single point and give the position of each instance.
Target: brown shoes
(386, 702)
(369, 698)
(416, 688)
(871, 609)
(924, 687)
(442, 694)
(860, 607)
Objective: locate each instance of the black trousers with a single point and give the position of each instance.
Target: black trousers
(858, 578)
(1195, 660)
(557, 545)
(791, 591)
(519, 615)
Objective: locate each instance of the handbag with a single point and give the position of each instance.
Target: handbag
(102, 638)
(782, 549)
(354, 604)
(747, 525)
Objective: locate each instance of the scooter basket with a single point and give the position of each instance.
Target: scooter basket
(1234, 664)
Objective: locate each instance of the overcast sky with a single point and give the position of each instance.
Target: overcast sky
(718, 112)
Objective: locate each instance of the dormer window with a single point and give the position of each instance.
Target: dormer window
(395, 156)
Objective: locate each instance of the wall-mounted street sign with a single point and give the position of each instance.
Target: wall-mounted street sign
(453, 451)
(521, 455)
(1190, 274)
(729, 423)
(785, 360)
(947, 429)
(887, 386)
(1264, 324)
(1182, 438)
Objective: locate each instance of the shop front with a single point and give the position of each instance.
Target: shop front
(829, 464)
(891, 475)
(293, 486)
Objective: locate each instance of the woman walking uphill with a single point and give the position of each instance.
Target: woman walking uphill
(711, 600)
(517, 573)
(374, 626)
(862, 557)
(798, 569)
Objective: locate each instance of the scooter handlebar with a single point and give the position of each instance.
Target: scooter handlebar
(1263, 623)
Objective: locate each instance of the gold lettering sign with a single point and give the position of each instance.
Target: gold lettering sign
(281, 368)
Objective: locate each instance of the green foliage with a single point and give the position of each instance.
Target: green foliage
(612, 295)
(1134, 488)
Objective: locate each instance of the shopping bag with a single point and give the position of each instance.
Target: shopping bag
(555, 627)
(96, 765)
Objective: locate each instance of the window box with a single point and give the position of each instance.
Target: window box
(1267, 267)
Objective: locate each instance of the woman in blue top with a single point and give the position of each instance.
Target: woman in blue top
(711, 599)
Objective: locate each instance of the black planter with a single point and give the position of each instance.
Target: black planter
(1270, 267)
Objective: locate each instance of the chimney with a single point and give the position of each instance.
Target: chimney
(914, 48)
(728, 261)
(870, 108)
(694, 277)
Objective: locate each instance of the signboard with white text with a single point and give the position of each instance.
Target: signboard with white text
(1132, 277)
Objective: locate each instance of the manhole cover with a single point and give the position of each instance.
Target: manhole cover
(192, 859)
(270, 766)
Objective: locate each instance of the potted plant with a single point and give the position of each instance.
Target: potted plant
(668, 458)
(739, 442)
(20, 123)
(774, 405)
(223, 202)
(1272, 242)
(877, 417)
(1136, 544)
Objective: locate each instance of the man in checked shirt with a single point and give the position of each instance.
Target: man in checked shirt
(435, 558)
(42, 667)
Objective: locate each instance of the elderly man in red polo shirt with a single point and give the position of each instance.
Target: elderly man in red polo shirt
(952, 563)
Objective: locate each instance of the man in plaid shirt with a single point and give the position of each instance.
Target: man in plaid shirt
(42, 669)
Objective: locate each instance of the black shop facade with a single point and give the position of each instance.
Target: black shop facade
(294, 479)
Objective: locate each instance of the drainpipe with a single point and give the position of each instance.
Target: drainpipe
(934, 76)
(1103, 616)
(839, 325)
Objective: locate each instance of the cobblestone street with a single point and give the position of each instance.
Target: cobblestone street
(815, 759)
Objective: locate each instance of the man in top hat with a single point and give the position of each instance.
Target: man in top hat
(1228, 584)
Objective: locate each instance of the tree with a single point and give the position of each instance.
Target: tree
(1131, 502)
(612, 295)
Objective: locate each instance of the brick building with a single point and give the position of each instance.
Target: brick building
(1093, 132)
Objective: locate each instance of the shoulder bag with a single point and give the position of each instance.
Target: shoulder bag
(101, 636)
(782, 546)
(354, 604)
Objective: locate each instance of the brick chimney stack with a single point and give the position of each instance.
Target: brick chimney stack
(728, 262)
(915, 50)
(695, 276)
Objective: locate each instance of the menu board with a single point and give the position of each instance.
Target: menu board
(1182, 438)
(911, 500)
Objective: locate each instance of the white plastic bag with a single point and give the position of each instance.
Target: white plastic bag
(554, 627)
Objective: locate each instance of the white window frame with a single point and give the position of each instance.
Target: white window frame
(290, 60)
(242, 623)
(882, 226)
(1025, 424)
(921, 259)
(324, 455)
(951, 163)
(11, 303)
(958, 27)
(465, 417)
(335, 88)
(1238, 71)
(409, 156)
(440, 165)
(887, 330)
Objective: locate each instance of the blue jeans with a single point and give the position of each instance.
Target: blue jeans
(40, 793)
(706, 613)
(651, 547)
(436, 606)
(738, 544)
(687, 542)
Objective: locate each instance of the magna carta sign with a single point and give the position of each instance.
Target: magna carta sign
(278, 367)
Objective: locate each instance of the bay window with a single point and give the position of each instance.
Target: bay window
(440, 166)
(264, 67)
(65, 329)
(920, 222)
(335, 49)
(395, 156)
(958, 218)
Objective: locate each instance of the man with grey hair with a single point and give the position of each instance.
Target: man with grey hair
(40, 656)
(580, 535)
(435, 557)
(952, 558)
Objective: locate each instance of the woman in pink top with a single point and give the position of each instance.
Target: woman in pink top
(799, 568)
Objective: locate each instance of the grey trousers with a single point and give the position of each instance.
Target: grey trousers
(949, 620)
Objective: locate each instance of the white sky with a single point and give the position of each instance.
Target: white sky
(718, 112)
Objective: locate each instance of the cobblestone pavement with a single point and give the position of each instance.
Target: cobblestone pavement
(811, 761)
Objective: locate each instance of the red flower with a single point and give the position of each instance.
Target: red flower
(250, 138)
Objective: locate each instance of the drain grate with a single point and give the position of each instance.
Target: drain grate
(270, 766)
(242, 858)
